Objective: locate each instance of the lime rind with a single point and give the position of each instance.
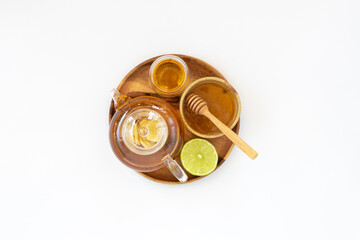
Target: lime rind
(199, 157)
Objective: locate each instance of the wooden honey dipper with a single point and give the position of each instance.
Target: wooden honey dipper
(199, 106)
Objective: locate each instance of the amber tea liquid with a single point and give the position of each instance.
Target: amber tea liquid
(143, 131)
(221, 104)
(168, 75)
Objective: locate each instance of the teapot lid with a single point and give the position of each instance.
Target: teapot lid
(144, 131)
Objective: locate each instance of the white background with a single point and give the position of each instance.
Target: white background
(295, 65)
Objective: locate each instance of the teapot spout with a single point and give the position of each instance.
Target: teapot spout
(119, 99)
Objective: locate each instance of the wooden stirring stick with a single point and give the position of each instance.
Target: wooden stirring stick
(199, 106)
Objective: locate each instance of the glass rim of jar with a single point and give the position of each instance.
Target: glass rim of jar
(161, 59)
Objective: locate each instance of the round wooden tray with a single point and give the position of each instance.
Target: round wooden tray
(136, 83)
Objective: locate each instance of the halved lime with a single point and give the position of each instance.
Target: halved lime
(199, 157)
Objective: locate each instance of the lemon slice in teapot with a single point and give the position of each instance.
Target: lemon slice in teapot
(153, 128)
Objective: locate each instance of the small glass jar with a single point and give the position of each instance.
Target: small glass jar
(169, 76)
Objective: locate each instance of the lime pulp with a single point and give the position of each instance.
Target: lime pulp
(199, 157)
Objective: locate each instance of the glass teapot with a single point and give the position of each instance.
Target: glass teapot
(145, 133)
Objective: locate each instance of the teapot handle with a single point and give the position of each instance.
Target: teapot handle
(175, 169)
